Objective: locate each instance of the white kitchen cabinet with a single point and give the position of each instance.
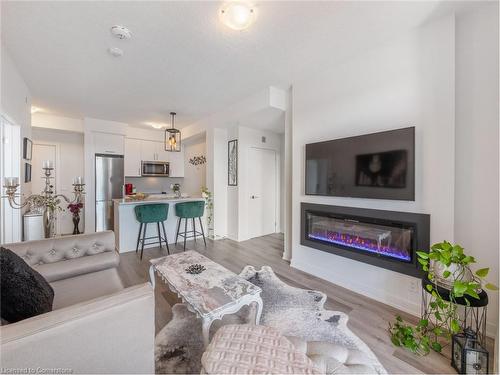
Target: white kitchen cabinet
(137, 150)
(105, 143)
(148, 150)
(161, 153)
(176, 160)
(133, 157)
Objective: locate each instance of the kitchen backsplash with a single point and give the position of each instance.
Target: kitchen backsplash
(153, 184)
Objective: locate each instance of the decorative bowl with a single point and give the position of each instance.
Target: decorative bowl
(195, 269)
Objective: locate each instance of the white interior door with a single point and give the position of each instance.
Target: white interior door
(42, 152)
(10, 166)
(262, 178)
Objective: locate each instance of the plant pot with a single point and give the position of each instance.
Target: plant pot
(76, 221)
(457, 272)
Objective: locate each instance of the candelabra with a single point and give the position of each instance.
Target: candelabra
(48, 201)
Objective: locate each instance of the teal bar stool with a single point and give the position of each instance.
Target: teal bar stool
(149, 214)
(186, 211)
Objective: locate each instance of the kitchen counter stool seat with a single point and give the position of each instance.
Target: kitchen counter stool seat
(150, 214)
(190, 210)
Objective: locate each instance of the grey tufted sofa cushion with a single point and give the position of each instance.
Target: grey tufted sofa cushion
(62, 257)
(53, 250)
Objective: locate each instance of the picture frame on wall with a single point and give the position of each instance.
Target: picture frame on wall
(27, 148)
(27, 172)
(232, 162)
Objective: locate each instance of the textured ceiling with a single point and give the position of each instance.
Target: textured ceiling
(180, 57)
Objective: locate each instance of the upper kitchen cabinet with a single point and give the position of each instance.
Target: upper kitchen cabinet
(149, 150)
(176, 160)
(162, 154)
(137, 150)
(133, 157)
(105, 143)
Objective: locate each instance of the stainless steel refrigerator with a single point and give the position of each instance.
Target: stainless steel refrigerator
(109, 182)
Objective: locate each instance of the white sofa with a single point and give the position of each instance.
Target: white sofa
(96, 326)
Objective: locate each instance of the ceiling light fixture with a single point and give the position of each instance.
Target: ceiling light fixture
(121, 32)
(237, 15)
(155, 125)
(172, 137)
(115, 51)
(35, 109)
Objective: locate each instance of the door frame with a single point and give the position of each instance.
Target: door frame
(277, 196)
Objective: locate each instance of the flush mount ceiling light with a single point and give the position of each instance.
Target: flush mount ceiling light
(121, 32)
(115, 51)
(237, 15)
(155, 125)
(172, 137)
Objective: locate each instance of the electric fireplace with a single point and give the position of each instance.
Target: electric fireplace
(386, 239)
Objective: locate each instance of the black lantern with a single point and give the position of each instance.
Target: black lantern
(467, 354)
(172, 137)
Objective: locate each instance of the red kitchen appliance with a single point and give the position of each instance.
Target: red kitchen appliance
(128, 189)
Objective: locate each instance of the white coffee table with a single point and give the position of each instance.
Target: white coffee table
(211, 294)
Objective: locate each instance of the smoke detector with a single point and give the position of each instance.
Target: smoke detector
(121, 32)
(115, 51)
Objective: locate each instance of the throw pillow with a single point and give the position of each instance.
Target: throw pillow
(24, 292)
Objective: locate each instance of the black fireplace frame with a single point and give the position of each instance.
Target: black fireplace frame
(421, 240)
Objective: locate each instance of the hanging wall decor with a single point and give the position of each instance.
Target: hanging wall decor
(198, 160)
(27, 148)
(232, 162)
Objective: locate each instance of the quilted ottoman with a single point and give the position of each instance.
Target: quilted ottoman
(251, 349)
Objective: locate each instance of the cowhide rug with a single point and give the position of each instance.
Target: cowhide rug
(293, 311)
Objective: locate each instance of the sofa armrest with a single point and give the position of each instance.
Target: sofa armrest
(112, 334)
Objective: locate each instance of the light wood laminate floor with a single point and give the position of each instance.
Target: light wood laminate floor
(368, 318)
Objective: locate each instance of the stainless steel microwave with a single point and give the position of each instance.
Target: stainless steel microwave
(155, 168)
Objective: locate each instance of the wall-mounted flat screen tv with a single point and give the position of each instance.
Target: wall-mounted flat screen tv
(379, 165)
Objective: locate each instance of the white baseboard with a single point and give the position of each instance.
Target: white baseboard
(397, 302)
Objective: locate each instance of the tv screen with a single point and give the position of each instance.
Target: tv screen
(379, 165)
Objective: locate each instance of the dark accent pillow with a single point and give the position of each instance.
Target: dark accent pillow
(24, 292)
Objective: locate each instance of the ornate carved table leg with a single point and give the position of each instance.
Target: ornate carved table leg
(206, 323)
(152, 275)
(258, 313)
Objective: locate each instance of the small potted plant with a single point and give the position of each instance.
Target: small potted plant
(75, 209)
(176, 188)
(209, 204)
(447, 267)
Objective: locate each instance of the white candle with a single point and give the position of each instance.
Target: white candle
(78, 180)
(47, 164)
(11, 181)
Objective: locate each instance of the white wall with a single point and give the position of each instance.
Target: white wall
(476, 151)
(195, 176)
(15, 101)
(69, 165)
(48, 121)
(407, 82)
(216, 168)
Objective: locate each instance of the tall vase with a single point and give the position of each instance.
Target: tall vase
(76, 221)
(48, 222)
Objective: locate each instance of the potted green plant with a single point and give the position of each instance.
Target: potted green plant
(447, 266)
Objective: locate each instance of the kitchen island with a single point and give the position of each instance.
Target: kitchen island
(126, 226)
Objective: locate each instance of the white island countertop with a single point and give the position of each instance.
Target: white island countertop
(127, 227)
(156, 198)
